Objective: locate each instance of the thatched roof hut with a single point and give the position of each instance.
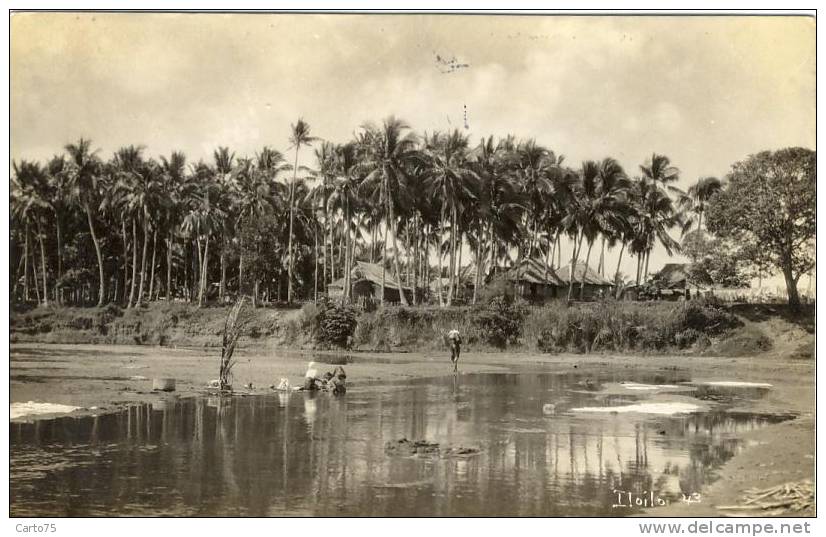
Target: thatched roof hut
(365, 281)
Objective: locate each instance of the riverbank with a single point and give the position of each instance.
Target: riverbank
(693, 328)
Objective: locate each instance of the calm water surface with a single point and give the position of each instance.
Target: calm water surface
(297, 454)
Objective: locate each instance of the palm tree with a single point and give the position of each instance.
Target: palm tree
(227, 170)
(59, 202)
(449, 177)
(204, 217)
(533, 166)
(612, 208)
(696, 201)
(656, 214)
(299, 136)
(582, 219)
(172, 179)
(256, 196)
(84, 176)
(389, 151)
(327, 161)
(344, 197)
(659, 170)
(29, 194)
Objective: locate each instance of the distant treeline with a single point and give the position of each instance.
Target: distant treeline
(127, 229)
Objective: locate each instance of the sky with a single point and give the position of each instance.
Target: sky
(705, 91)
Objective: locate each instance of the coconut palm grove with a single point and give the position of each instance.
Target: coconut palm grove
(131, 228)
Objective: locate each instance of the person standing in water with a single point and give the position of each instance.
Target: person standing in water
(455, 342)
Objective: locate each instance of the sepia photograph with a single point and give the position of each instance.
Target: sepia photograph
(412, 264)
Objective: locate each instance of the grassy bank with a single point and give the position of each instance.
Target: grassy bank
(655, 327)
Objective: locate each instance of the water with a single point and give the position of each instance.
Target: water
(297, 453)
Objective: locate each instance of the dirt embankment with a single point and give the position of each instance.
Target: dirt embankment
(614, 327)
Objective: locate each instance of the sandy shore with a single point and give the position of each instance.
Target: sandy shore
(110, 376)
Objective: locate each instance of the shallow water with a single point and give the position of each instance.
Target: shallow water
(298, 453)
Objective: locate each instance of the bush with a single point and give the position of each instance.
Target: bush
(687, 338)
(336, 324)
(500, 321)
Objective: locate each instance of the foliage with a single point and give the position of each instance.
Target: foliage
(768, 210)
(234, 327)
(336, 323)
(716, 260)
(623, 326)
(500, 321)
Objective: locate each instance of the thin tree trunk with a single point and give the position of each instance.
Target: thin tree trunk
(415, 263)
(315, 247)
(426, 260)
(34, 277)
(585, 271)
(459, 286)
(241, 267)
(478, 264)
(647, 258)
(204, 273)
(57, 286)
(617, 274)
(290, 252)
(43, 263)
(452, 267)
(222, 288)
(558, 251)
(602, 258)
(134, 264)
(152, 270)
(384, 265)
(572, 272)
(125, 235)
(345, 295)
(439, 253)
(101, 280)
(196, 281)
(169, 268)
(143, 260)
(549, 256)
(26, 265)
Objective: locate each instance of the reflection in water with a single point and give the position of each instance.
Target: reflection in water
(315, 454)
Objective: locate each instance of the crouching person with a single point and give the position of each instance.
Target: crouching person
(311, 380)
(338, 381)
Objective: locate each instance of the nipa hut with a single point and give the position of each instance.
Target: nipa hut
(365, 284)
(595, 285)
(533, 280)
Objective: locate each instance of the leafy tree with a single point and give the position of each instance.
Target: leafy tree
(715, 260)
(769, 207)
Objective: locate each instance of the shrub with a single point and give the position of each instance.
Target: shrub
(687, 338)
(500, 321)
(336, 324)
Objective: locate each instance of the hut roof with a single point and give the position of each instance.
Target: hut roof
(534, 271)
(582, 271)
(675, 275)
(370, 272)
